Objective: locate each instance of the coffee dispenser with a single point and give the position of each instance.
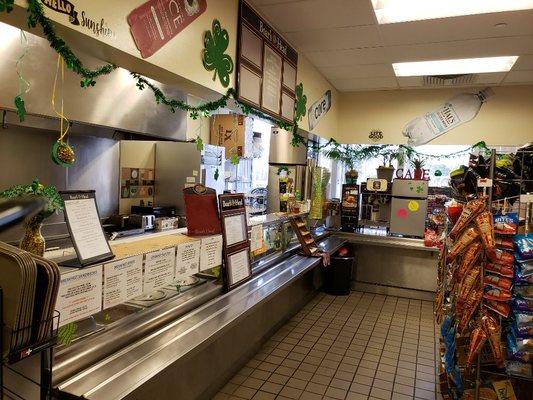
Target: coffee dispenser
(376, 197)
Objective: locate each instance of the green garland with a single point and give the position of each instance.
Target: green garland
(36, 16)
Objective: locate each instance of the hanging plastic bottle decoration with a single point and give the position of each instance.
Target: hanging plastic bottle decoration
(62, 153)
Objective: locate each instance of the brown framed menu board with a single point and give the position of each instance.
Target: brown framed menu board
(266, 66)
(237, 264)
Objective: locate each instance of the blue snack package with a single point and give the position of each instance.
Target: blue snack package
(523, 291)
(505, 224)
(522, 304)
(524, 246)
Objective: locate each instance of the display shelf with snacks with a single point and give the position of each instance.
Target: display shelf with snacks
(484, 302)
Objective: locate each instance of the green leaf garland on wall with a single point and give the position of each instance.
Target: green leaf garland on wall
(216, 43)
(300, 107)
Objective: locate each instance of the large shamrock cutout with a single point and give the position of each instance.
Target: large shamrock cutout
(301, 102)
(216, 43)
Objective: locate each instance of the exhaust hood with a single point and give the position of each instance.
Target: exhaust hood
(114, 103)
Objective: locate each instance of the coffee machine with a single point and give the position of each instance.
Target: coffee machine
(376, 198)
(350, 207)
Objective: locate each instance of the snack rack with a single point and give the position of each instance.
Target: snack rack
(45, 350)
(484, 358)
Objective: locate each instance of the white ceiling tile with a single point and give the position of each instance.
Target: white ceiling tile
(519, 77)
(524, 62)
(318, 14)
(519, 23)
(358, 71)
(345, 85)
(461, 49)
(335, 38)
(333, 58)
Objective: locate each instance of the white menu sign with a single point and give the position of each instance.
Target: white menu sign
(211, 252)
(159, 269)
(239, 266)
(272, 80)
(80, 294)
(85, 227)
(123, 280)
(256, 238)
(187, 259)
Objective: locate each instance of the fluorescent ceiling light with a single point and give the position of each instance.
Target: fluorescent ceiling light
(454, 67)
(390, 11)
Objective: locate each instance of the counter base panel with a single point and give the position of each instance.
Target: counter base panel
(393, 291)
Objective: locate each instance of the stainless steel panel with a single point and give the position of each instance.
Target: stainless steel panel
(281, 150)
(174, 163)
(410, 188)
(114, 101)
(25, 155)
(273, 190)
(386, 241)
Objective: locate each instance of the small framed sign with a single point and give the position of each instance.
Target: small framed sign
(237, 265)
(85, 228)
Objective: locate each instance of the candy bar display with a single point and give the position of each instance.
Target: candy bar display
(484, 304)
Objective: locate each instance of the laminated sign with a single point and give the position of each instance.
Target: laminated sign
(319, 109)
(155, 22)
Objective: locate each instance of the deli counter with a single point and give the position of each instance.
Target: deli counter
(182, 342)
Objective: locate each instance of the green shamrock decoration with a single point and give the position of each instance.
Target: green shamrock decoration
(301, 102)
(215, 44)
(199, 144)
(438, 172)
(217, 174)
(234, 160)
(21, 109)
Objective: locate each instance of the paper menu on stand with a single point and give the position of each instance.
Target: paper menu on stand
(235, 229)
(239, 266)
(256, 237)
(159, 269)
(187, 259)
(123, 280)
(80, 294)
(211, 252)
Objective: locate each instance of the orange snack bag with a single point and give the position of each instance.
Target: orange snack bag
(472, 208)
(486, 229)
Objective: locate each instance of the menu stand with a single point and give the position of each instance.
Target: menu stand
(309, 246)
(237, 263)
(44, 348)
(86, 231)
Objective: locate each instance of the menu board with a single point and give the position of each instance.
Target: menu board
(123, 280)
(235, 229)
(256, 237)
(159, 269)
(80, 294)
(187, 259)
(266, 66)
(211, 252)
(83, 222)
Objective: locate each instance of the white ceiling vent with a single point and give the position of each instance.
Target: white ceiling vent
(450, 80)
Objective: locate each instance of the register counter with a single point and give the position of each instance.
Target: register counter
(185, 347)
(393, 265)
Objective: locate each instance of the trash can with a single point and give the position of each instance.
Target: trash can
(338, 275)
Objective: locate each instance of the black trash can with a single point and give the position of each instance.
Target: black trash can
(338, 275)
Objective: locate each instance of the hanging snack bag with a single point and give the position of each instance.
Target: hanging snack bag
(506, 224)
(523, 291)
(462, 243)
(469, 258)
(493, 330)
(504, 243)
(498, 307)
(486, 230)
(522, 304)
(493, 293)
(524, 247)
(470, 211)
(502, 270)
(478, 337)
(498, 281)
(470, 306)
(501, 257)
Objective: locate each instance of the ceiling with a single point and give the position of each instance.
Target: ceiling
(344, 41)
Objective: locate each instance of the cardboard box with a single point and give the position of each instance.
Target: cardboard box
(230, 131)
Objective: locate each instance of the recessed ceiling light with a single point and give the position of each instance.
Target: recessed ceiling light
(391, 11)
(454, 67)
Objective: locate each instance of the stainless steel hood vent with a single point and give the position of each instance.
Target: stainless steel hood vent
(114, 103)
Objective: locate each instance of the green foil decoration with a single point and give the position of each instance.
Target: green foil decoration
(300, 107)
(216, 43)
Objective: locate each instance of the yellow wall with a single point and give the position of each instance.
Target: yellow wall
(315, 85)
(506, 118)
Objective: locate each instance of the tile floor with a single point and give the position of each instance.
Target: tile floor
(357, 347)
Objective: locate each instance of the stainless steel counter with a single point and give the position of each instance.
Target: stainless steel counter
(385, 241)
(167, 362)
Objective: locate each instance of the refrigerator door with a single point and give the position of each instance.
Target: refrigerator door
(177, 164)
(410, 188)
(408, 216)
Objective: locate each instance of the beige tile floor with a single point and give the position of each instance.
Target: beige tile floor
(357, 347)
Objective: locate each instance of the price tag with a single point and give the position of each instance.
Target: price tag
(526, 198)
(484, 182)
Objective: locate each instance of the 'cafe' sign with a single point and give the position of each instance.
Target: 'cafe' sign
(319, 108)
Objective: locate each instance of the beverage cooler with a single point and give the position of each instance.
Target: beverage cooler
(409, 207)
